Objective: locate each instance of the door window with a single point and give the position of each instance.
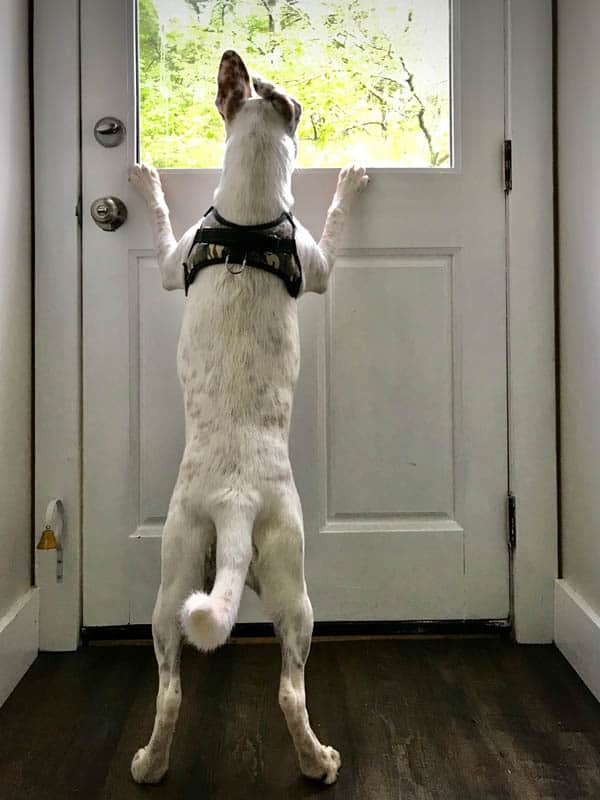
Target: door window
(373, 77)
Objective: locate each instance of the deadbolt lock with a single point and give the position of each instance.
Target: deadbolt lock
(109, 131)
(109, 213)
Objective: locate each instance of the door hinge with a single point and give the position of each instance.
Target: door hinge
(78, 210)
(512, 521)
(507, 165)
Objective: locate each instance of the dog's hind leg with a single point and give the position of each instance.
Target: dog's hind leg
(184, 545)
(279, 572)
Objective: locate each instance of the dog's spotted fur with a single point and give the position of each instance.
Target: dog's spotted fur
(233, 85)
(235, 515)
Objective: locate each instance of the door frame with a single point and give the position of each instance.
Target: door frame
(530, 312)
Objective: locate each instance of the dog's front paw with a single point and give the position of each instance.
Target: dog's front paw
(352, 180)
(147, 181)
(145, 770)
(323, 766)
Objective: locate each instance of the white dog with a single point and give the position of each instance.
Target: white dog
(235, 500)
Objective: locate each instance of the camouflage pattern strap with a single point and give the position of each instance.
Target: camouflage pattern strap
(220, 242)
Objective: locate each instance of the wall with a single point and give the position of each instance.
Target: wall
(15, 347)
(57, 337)
(15, 306)
(531, 296)
(578, 92)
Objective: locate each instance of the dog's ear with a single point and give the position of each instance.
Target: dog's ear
(286, 106)
(233, 84)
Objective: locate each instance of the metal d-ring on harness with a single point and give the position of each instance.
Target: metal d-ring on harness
(230, 268)
(270, 246)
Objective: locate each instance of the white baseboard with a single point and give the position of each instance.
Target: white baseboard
(577, 634)
(19, 640)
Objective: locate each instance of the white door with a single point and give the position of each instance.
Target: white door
(399, 434)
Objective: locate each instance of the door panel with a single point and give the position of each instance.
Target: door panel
(398, 437)
(382, 461)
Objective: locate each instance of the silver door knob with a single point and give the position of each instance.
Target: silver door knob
(109, 213)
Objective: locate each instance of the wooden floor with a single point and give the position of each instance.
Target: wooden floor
(469, 719)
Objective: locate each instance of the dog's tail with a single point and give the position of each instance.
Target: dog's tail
(207, 619)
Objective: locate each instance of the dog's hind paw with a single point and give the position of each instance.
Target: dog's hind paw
(324, 766)
(144, 770)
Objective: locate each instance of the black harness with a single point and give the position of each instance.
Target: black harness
(218, 241)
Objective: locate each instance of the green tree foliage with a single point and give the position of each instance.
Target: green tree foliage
(354, 72)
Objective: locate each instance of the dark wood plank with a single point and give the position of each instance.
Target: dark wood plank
(472, 719)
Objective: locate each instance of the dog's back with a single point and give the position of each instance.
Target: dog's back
(238, 361)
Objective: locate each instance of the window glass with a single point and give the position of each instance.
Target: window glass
(373, 77)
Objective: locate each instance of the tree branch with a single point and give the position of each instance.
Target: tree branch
(375, 94)
(410, 81)
(268, 5)
(364, 125)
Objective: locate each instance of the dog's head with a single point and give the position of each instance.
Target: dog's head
(253, 107)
